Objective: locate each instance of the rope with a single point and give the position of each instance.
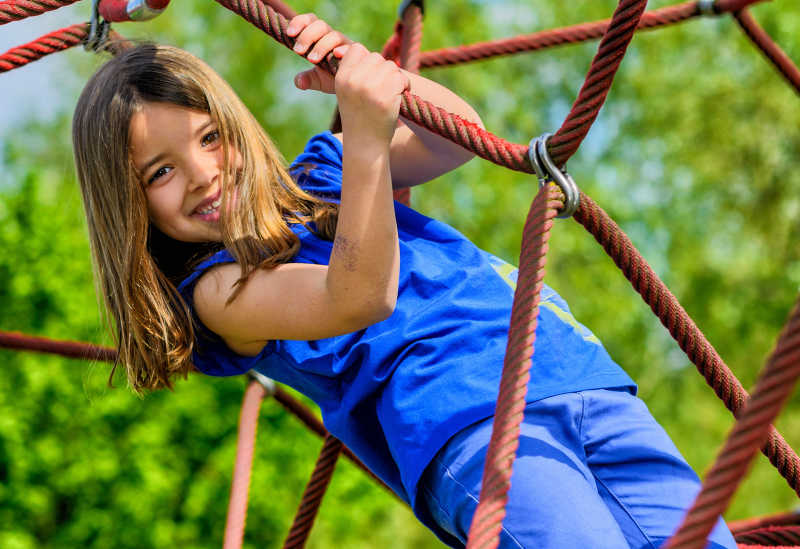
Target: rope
(769, 48)
(313, 494)
(771, 535)
(409, 29)
(558, 37)
(488, 518)
(69, 349)
(240, 487)
(14, 10)
(682, 328)
(781, 519)
(59, 40)
(773, 388)
(595, 88)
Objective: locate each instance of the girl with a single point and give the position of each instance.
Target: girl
(211, 254)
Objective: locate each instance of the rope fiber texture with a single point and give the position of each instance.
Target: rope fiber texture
(313, 494)
(59, 40)
(682, 328)
(771, 536)
(769, 48)
(14, 10)
(574, 34)
(488, 518)
(409, 31)
(245, 447)
(772, 389)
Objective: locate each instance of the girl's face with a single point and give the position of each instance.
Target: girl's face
(178, 153)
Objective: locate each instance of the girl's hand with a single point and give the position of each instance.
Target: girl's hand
(314, 39)
(369, 90)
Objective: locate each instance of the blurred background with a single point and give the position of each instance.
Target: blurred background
(695, 154)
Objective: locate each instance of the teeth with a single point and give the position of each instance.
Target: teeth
(211, 208)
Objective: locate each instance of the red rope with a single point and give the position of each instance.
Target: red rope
(14, 10)
(409, 29)
(488, 518)
(781, 519)
(769, 48)
(771, 536)
(751, 430)
(558, 37)
(313, 494)
(59, 40)
(69, 349)
(245, 447)
(682, 328)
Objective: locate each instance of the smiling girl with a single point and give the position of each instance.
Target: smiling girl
(211, 254)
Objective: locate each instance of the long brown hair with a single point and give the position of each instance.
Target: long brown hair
(135, 265)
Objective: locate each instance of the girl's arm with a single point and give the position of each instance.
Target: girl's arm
(417, 155)
(359, 286)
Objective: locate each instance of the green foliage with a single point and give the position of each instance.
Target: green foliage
(694, 155)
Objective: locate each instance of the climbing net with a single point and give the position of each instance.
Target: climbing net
(558, 197)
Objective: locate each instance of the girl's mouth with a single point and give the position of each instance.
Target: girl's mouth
(209, 211)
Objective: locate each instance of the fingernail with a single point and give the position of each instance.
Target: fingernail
(297, 47)
(313, 56)
(298, 81)
(290, 30)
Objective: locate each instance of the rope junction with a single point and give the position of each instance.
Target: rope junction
(754, 414)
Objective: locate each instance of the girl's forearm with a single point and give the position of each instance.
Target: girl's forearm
(364, 264)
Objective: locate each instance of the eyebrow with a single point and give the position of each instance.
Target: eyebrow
(160, 156)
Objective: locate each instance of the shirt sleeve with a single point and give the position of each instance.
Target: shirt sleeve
(318, 169)
(211, 355)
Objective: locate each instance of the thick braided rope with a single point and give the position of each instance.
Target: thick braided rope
(781, 519)
(313, 494)
(682, 328)
(574, 34)
(598, 82)
(14, 10)
(488, 518)
(771, 536)
(59, 40)
(410, 31)
(68, 349)
(773, 388)
(245, 447)
(769, 48)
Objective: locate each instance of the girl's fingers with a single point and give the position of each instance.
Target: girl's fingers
(326, 44)
(300, 22)
(315, 79)
(309, 35)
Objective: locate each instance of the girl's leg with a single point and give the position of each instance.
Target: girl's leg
(554, 500)
(646, 483)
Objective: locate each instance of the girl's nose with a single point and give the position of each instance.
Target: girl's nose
(202, 173)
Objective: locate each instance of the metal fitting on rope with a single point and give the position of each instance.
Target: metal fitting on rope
(98, 30)
(547, 171)
(131, 10)
(267, 383)
(405, 4)
(707, 7)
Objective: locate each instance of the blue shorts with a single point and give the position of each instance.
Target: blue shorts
(593, 469)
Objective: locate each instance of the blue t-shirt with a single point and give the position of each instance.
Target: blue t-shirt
(396, 391)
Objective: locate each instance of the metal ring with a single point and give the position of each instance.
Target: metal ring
(707, 7)
(546, 170)
(267, 383)
(98, 29)
(140, 10)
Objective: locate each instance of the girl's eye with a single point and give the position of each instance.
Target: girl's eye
(210, 137)
(163, 170)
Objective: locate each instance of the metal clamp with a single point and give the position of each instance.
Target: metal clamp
(707, 7)
(140, 10)
(267, 383)
(405, 4)
(98, 30)
(546, 171)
